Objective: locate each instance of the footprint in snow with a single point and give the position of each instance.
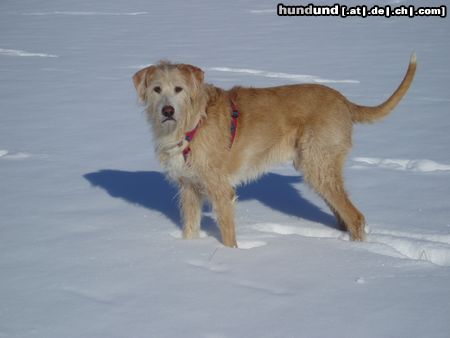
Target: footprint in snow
(399, 164)
(434, 248)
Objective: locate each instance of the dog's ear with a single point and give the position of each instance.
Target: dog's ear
(140, 80)
(195, 71)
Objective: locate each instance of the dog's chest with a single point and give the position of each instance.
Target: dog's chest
(176, 166)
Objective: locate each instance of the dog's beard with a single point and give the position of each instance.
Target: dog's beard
(168, 126)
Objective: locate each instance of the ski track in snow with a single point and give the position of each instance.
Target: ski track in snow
(17, 52)
(288, 76)
(85, 13)
(263, 11)
(256, 72)
(433, 248)
(399, 164)
(6, 155)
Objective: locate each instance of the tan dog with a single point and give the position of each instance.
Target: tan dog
(308, 124)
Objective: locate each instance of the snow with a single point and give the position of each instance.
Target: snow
(400, 164)
(294, 77)
(84, 13)
(13, 52)
(90, 239)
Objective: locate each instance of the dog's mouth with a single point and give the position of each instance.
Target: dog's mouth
(168, 119)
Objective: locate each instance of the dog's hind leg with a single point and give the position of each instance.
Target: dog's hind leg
(322, 169)
(191, 207)
(339, 220)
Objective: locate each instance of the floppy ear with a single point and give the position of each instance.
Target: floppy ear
(140, 81)
(197, 72)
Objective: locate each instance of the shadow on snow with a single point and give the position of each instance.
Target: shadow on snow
(151, 190)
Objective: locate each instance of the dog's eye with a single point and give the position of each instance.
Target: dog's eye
(157, 89)
(178, 89)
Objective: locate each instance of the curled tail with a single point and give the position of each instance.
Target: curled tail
(372, 114)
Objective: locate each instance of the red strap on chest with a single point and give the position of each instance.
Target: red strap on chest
(189, 136)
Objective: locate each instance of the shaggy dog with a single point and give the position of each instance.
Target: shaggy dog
(209, 140)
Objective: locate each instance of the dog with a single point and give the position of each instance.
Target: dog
(210, 140)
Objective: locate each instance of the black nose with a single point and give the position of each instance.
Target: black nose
(168, 111)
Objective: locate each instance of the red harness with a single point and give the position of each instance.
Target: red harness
(189, 136)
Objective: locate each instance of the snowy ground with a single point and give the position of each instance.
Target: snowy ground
(89, 229)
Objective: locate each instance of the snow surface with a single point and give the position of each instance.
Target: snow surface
(89, 228)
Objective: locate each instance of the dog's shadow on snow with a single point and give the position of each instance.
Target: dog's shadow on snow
(151, 190)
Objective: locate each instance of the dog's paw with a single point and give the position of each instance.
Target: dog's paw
(191, 234)
(360, 236)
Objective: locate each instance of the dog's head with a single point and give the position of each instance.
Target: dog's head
(171, 94)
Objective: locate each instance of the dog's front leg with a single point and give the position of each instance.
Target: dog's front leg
(191, 208)
(223, 199)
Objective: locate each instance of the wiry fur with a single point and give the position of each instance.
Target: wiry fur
(308, 124)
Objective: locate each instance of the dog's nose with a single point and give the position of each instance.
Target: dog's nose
(168, 111)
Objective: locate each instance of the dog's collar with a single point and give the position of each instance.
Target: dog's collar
(189, 136)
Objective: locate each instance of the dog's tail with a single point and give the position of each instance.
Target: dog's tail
(372, 114)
